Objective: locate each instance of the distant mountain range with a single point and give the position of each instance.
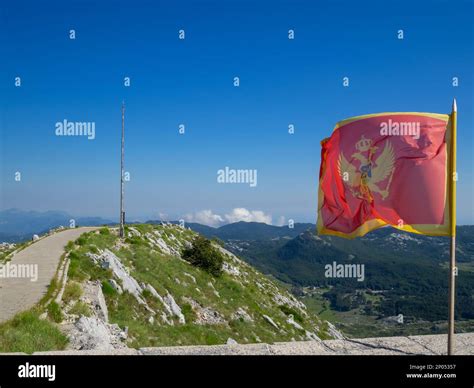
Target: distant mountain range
(251, 231)
(19, 225)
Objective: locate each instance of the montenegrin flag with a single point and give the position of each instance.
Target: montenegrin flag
(386, 169)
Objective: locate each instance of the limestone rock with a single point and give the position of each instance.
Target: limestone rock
(175, 309)
(205, 315)
(293, 323)
(116, 286)
(270, 321)
(241, 314)
(109, 261)
(91, 333)
(333, 332)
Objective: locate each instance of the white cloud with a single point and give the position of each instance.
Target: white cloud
(207, 217)
(242, 214)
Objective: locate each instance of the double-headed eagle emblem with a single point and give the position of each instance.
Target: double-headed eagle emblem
(363, 181)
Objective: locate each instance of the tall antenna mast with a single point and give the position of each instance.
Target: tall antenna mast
(122, 212)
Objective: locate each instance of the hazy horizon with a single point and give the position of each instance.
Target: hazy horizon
(145, 218)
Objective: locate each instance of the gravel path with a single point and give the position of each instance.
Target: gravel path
(419, 344)
(19, 293)
(413, 345)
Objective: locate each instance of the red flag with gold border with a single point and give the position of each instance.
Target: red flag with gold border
(386, 169)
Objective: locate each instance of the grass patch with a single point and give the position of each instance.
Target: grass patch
(104, 231)
(287, 310)
(107, 288)
(188, 312)
(80, 308)
(323, 331)
(81, 267)
(72, 291)
(26, 332)
(81, 241)
(69, 246)
(54, 312)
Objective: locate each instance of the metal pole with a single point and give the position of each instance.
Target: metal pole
(452, 210)
(122, 213)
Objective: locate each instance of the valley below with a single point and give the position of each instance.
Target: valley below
(405, 290)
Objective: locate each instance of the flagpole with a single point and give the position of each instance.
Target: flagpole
(122, 213)
(452, 212)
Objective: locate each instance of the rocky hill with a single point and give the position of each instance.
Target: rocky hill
(140, 292)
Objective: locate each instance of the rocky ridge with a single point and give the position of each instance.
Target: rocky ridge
(134, 291)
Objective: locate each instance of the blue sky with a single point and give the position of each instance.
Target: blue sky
(191, 81)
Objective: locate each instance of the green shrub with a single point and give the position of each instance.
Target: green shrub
(204, 255)
(81, 241)
(104, 231)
